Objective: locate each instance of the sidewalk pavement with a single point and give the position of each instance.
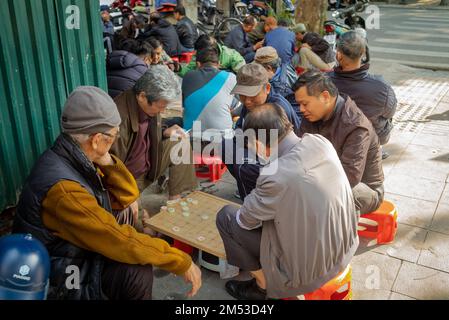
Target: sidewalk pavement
(416, 265)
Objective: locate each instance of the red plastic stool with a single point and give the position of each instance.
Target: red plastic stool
(186, 57)
(381, 224)
(182, 246)
(216, 167)
(338, 288)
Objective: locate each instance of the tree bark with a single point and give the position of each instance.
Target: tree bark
(312, 13)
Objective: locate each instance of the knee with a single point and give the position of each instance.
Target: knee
(224, 216)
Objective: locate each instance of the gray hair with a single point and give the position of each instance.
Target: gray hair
(352, 45)
(80, 138)
(159, 83)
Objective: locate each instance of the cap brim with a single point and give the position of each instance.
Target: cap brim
(249, 91)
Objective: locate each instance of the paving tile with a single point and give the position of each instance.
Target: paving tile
(421, 282)
(398, 296)
(410, 186)
(413, 212)
(440, 221)
(360, 292)
(445, 195)
(426, 139)
(424, 162)
(435, 253)
(407, 244)
(375, 271)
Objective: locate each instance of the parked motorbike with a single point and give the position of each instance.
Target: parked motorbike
(208, 12)
(352, 21)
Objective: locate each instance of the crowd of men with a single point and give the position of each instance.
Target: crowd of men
(296, 228)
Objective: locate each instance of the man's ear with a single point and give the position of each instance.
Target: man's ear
(325, 97)
(95, 140)
(268, 87)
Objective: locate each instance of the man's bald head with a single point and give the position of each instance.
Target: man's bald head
(270, 24)
(268, 117)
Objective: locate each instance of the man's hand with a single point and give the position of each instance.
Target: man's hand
(193, 276)
(175, 130)
(258, 45)
(105, 160)
(135, 210)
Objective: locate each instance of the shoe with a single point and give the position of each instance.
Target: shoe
(245, 290)
(237, 194)
(385, 155)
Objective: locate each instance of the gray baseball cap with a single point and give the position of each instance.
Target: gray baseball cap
(251, 78)
(89, 110)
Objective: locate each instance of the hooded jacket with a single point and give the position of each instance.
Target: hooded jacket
(123, 69)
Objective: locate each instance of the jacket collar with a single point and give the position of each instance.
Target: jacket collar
(286, 144)
(133, 110)
(357, 74)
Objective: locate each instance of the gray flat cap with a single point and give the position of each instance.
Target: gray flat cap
(89, 110)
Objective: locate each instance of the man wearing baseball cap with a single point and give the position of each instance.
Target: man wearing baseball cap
(254, 90)
(68, 202)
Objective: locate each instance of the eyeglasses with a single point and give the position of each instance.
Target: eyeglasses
(113, 136)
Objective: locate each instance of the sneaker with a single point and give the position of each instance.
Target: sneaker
(385, 155)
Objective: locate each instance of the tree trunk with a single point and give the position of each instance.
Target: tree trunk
(312, 13)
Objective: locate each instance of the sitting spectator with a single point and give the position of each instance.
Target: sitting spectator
(372, 94)
(207, 96)
(282, 75)
(160, 56)
(238, 39)
(130, 30)
(338, 119)
(315, 52)
(125, 67)
(229, 59)
(254, 90)
(297, 229)
(68, 203)
(186, 29)
(165, 32)
(280, 38)
(142, 142)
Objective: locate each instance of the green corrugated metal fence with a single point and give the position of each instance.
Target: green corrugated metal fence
(41, 62)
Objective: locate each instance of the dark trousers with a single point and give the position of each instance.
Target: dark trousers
(121, 281)
(242, 246)
(242, 166)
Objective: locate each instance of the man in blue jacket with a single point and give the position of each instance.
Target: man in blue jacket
(238, 39)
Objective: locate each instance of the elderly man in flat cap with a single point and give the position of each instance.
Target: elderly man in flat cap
(68, 201)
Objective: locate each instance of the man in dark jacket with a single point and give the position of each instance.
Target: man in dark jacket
(68, 203)
(371, 93)
(315, 52)
(338, 119)
(238, 39)
(165, 32)
(186, 29)
(125, 67)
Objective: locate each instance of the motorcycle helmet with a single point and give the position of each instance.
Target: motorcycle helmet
(24, 268)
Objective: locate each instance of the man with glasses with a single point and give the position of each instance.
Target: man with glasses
(68, 203)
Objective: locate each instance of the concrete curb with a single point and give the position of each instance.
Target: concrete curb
(411, 6)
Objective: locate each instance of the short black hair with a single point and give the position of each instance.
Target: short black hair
(138, 47)
(205, 41)
(155, 43)
(268, 117)
(249, 21)
(283, 23)
(207, 56)
(316, 82)
(181, 10)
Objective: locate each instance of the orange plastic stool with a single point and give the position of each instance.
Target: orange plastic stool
(338, 288)
(186, 57)
(381, 224)
(216, 167)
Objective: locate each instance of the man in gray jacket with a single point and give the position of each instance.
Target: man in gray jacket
(372, 94)
(297, 229)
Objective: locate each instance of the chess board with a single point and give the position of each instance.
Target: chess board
(198, 229)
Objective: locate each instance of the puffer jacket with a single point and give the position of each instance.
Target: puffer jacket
(187, 32)
(372, 94)
(123, 69)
